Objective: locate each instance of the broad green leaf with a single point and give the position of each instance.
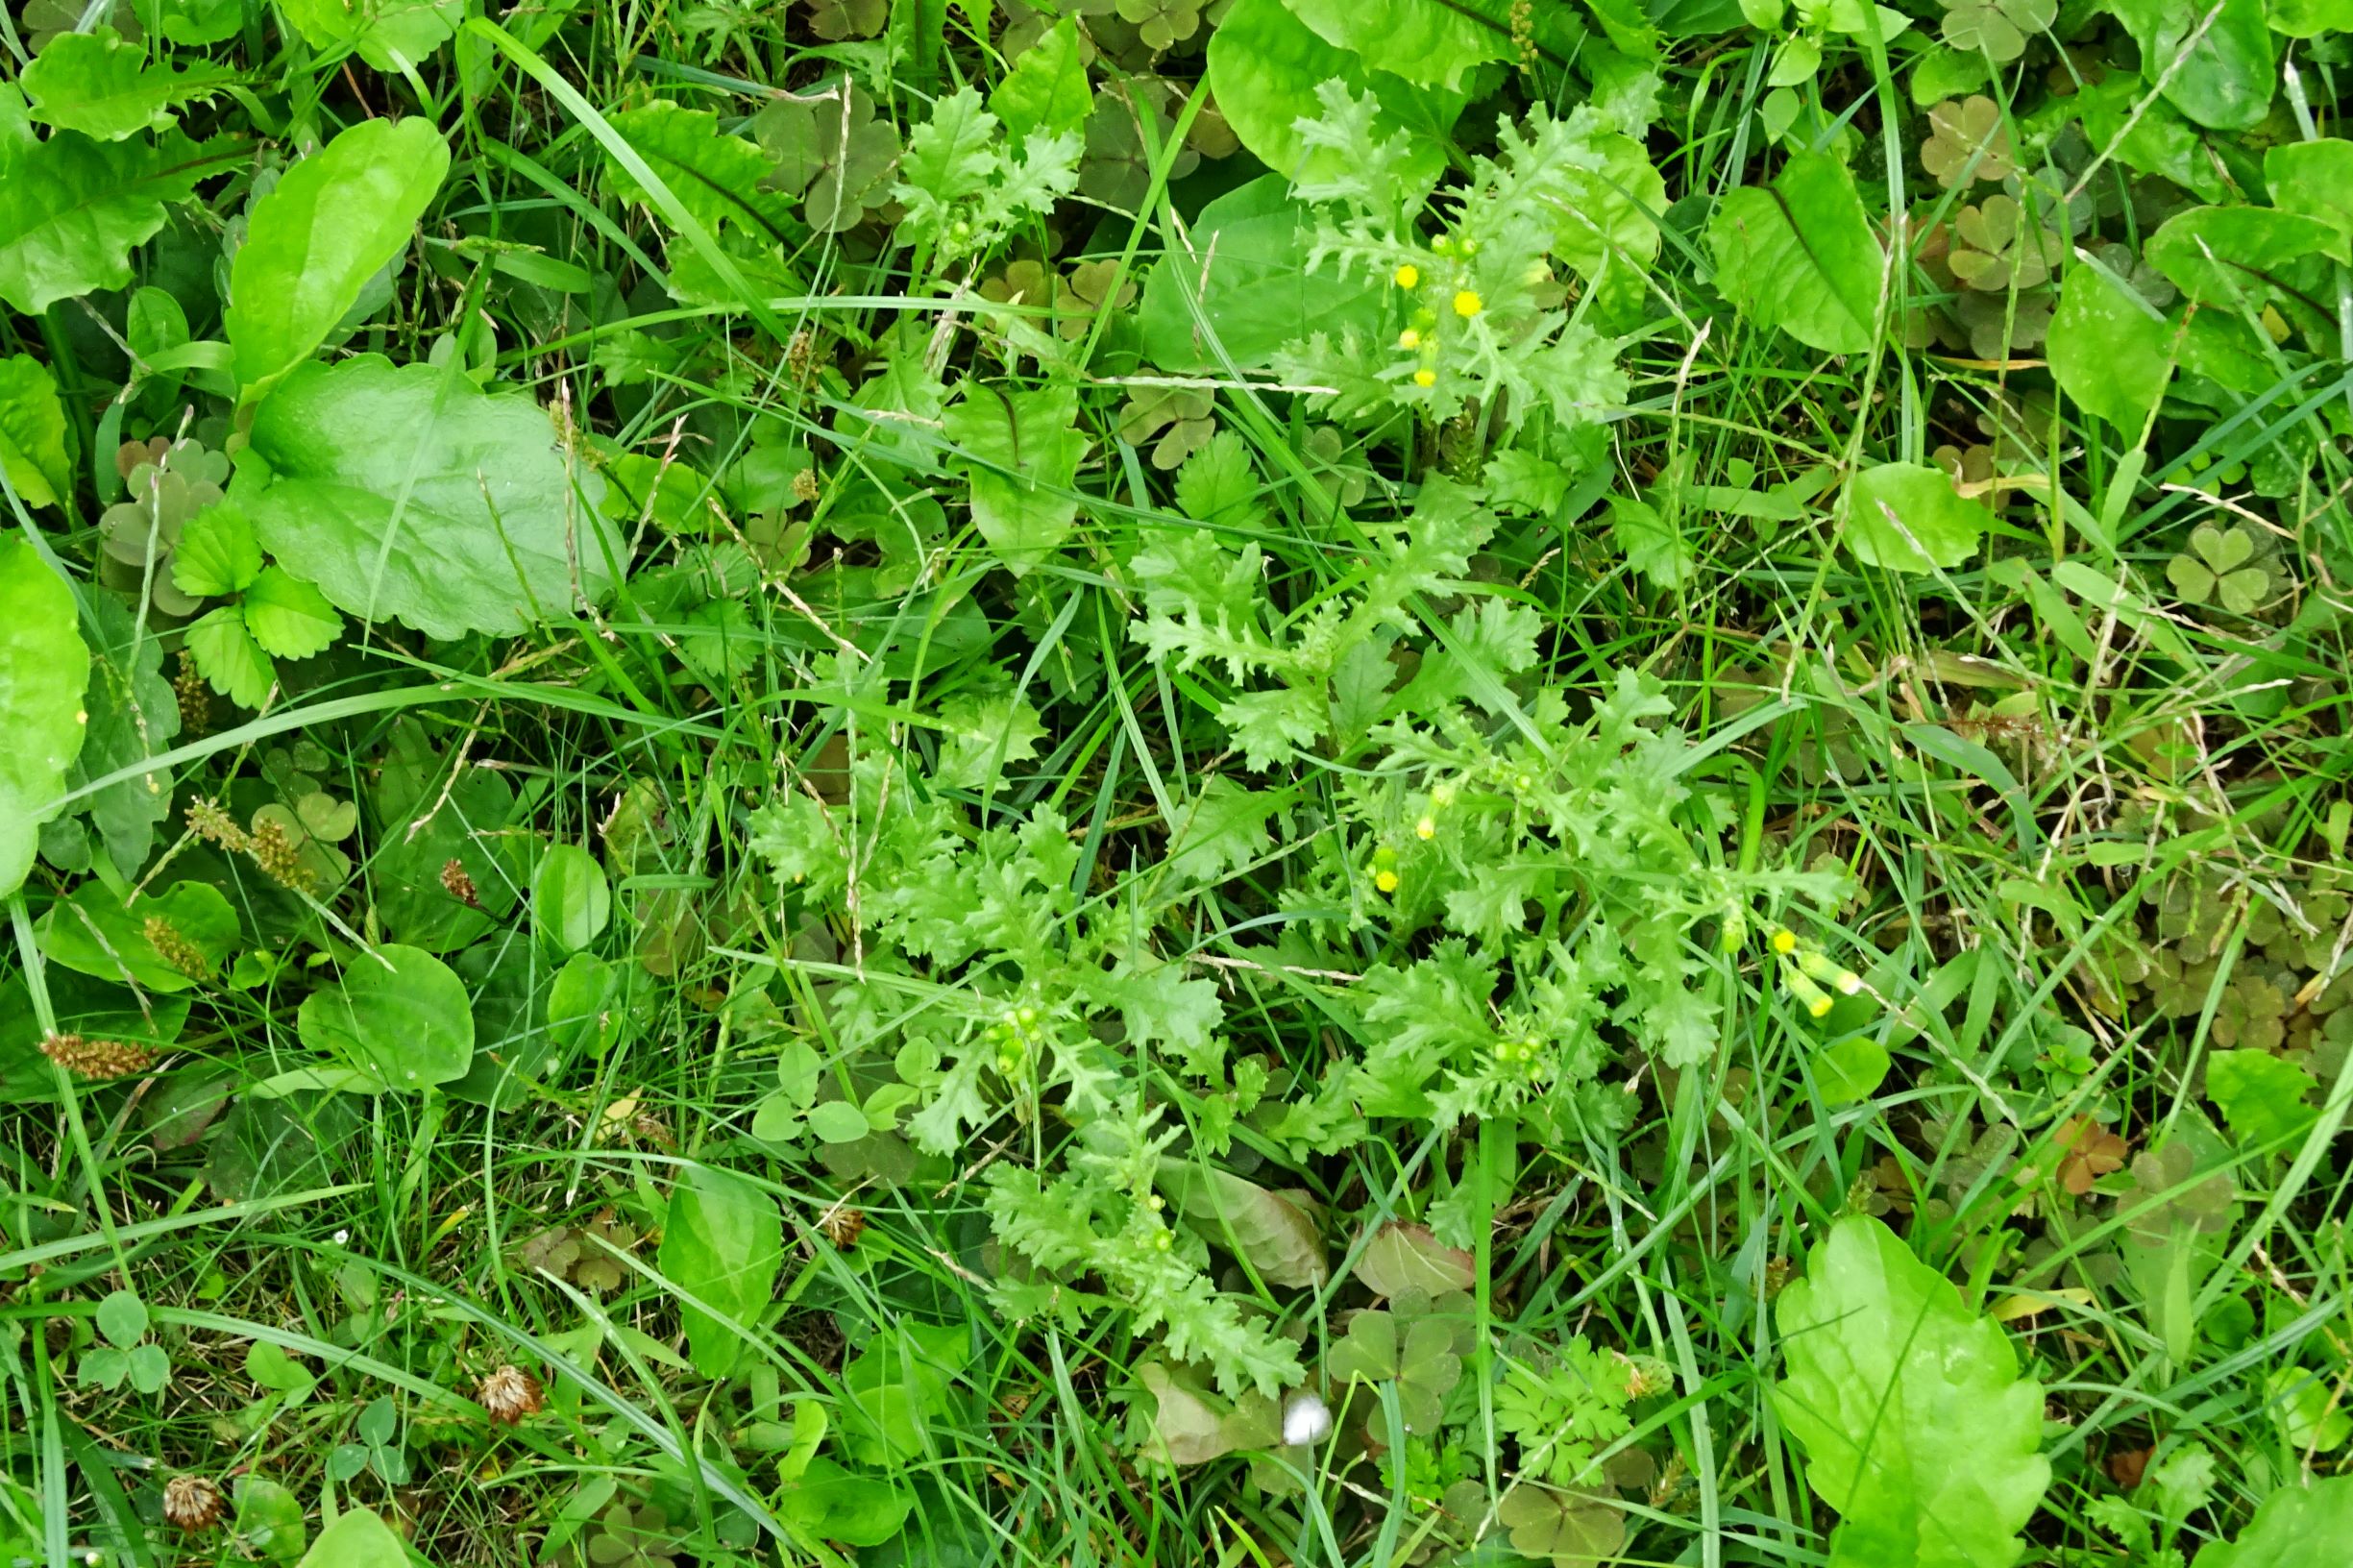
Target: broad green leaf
(1801, 256)
(835, 1504)
(397, 1011)
(1244, 260)
(44, 670)
(270, 1522)
(217, 554)
(2109, 351)
(2297, 1527)
(96, 83)
(229, 659)
(2262, 1096)
(718, 179)
(1426, 41)
(2230, 71)
(569, 900)
(838, 1121)
(313, 242)
(723, 1245)
(1265, 66)
(2310, 18)
(1021, 452)
(408, 492)
(71, 208)
(1608, 218)
(356, 1539)
(1046, 89)
(1907, 517)
(1275, 1235)
(1916, 1425)
(288, 618)
(2224, 255)
(96, 933)
(1402, 1259)
(389, 34)
(134, 716)
(2315, 179)
(33, 432)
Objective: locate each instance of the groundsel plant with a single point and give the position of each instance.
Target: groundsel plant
(1484, 327)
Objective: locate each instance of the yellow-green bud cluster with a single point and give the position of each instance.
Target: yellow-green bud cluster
(1015, 1034)
(1442, 294)
(1810, 975)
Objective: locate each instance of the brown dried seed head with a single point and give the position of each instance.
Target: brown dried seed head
(192, 1501)
(458, 883)
(843, 1225)
(99, 1058)
(510, 1394)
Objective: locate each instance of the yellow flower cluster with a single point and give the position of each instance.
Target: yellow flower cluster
(1422, 337)
(1811, 974)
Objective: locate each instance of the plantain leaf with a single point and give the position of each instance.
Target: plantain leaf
(1021, 450)
(134, 716)
(313, 242)
(408, 492)
(44, 669)
(399, 1012)
(1265, 66)
(1916, 1425)
(722, 1245)
(2215, 56)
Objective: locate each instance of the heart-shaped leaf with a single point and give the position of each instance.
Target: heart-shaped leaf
(1907, 517)
(408, 492)
(399, 1012)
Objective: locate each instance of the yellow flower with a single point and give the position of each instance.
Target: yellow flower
(1785, 942)
(1426, 829)
(1467, 305)
(1425, 378)
(1385, 881)
(1409, 276)
(1409, 339)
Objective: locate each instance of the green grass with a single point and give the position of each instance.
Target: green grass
(2076, 832)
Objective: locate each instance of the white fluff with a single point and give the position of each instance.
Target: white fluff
(1306, 1419)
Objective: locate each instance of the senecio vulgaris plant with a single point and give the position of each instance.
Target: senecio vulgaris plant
(1523, 891)
(1486, 328)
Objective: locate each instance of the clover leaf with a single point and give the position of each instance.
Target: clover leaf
(831, 153)
(1961, 130)
(1998, 29)
(2218, 567)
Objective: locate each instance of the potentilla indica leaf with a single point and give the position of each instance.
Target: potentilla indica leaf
(1916, 1425)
